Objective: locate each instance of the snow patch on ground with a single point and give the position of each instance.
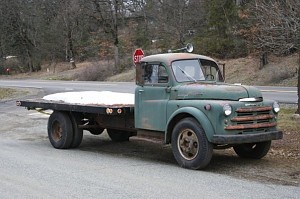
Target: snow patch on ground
(92, 97)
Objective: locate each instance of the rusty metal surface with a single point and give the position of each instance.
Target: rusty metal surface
(116, 109)
(254, 109)
(251, 126)
(121, 122)
(251, 118)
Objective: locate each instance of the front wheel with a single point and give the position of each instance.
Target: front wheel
(190, 146)
(253, 150)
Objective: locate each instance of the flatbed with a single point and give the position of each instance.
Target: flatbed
(115, 109)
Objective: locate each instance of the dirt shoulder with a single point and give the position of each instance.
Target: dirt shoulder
(10, 93)
(7, 94)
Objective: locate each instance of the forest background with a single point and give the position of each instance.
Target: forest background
(34, 33)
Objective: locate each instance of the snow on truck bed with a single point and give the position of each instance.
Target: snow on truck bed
(92, 97)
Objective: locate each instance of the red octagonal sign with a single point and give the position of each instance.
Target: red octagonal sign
(137, 56)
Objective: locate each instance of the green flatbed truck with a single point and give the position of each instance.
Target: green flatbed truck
(182, 98)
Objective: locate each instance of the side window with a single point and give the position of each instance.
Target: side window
(210, 70)
(155, 73)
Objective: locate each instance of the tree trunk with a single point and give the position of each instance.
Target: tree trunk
(116, 34)
(70, 42)
(116, 57)
(298, 110)
(30, 62)
(263, 60)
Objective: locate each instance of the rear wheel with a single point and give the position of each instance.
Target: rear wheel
(60, 130)
(190, 146)
(253, 150)
(118, 136)
(77, 132)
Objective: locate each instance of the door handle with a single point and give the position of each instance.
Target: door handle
(168, 89)
(140, 91)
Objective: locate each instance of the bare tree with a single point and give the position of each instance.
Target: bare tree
(178, 19)
(19, 30)
(70, 13)
(277, 28)
(109, 15)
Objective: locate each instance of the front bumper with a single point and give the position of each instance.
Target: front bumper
(246, 138)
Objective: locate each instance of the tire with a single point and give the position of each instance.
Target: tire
(60, 130)
(190, 146)
(118, 136)
(253, 150)
(77, 132)
(97, 131)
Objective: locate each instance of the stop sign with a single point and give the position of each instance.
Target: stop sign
(137, 55)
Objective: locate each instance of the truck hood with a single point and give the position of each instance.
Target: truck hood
(215, 91)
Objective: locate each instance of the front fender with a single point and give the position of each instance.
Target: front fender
(189, 112)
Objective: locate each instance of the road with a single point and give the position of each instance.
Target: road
(280, 94)
(31, 168)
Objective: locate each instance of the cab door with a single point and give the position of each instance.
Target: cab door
(152, 97)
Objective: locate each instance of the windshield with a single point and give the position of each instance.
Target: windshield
(195, 70)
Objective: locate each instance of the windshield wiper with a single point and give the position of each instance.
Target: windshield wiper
(190, 77)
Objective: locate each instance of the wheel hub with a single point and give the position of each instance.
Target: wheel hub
(57, 131)
(188, 144)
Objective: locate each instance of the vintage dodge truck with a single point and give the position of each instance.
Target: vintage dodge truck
(180, 97)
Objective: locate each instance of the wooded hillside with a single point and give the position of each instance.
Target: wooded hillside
(33, 32)
(39, 31)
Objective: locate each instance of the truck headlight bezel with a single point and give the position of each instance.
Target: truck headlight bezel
(276, 107)
(227, 109)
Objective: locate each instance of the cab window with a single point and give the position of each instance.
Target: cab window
(210, 70)
(196, 70)
(155, 73)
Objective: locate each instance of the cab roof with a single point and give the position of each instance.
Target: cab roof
(168, 58)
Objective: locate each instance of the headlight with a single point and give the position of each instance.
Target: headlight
(276, 107)
(227, 109)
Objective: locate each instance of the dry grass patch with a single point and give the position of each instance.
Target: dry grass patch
(128, 76)
(280, 71)
(289, 146)
(7, 93)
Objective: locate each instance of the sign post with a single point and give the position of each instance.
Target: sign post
(137, 56)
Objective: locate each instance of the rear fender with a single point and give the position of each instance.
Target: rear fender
(189, 112)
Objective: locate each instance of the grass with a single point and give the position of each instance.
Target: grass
(123, 77)
(9, 93)
(280, 71)
(286, 122)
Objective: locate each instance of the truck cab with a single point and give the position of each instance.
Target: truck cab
(183, 96)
